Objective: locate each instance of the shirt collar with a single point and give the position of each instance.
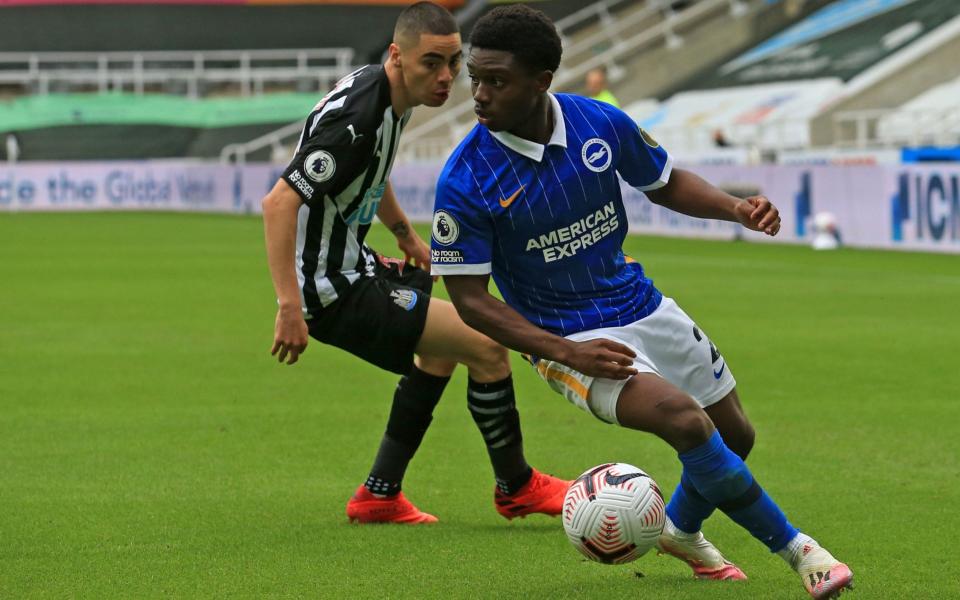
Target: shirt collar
(532, 149)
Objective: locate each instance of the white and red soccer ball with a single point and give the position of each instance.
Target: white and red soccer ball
(613, 513)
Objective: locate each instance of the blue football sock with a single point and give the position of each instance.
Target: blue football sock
(723, 479)
(687, 508)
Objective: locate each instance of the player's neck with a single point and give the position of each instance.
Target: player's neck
(398, 91)
(539, 127)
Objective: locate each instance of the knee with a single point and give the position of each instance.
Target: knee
(438, 367)
(741, 440)
(488, 361)
(689, 429)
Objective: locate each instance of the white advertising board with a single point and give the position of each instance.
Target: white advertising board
(915, 207)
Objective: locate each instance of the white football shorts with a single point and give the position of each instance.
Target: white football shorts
(667, 343)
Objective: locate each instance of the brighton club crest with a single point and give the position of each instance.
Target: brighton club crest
(596, 155)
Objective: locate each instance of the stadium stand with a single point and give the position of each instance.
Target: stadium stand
(608, 33)
(930, 119)
(706, 43)
(928, 60)
(208, 50)
(844, 76)
(768, 115)
(769, 76)
(647, 47)
(776, 77)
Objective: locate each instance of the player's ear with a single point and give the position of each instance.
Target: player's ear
(394, 52)
(543, 81)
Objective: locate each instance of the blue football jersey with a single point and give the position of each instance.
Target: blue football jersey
(548, 221)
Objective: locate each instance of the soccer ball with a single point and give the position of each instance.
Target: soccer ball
(613, 513)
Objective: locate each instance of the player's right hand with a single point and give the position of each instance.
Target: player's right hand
(602, 358)
(289, 336)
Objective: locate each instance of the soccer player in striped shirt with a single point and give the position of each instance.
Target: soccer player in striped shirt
(532, 197)
(332, 286)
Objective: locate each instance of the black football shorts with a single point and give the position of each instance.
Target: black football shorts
(379, 318)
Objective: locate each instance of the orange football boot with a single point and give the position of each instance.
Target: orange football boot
(542, 494)
(364, 507)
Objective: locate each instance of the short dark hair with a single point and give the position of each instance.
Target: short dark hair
(525, 32)
(424, 17)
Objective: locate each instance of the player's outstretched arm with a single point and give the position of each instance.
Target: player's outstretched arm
(413, 248)
(485, 313)
(689, 194)
(280, 208)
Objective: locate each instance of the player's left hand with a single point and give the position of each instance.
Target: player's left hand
(759, 214)
(416, 251)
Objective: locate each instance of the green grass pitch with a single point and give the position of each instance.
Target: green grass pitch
(150, 447)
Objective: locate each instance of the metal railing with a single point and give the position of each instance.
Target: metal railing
(599, 11)
(238, 152)
(884, 128)
(250, 70)
(774, 135)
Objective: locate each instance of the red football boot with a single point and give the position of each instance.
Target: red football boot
(542, 494)
(364, 507)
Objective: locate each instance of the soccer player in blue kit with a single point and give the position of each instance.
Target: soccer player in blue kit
(532, 197)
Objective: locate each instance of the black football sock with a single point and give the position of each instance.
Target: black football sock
(494, 410)
(513, 486)
(415, 398)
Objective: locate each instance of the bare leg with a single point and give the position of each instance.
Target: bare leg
(446, 340)
(733, 424)
(650, 403)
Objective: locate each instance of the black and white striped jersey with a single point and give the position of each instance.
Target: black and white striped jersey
(340, 171)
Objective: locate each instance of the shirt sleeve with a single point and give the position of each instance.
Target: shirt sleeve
(462, 238)
(643, 162)
(329, 160)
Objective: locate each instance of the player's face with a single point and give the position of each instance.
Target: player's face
(505, 93)
(595, 83)
(429, 68)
